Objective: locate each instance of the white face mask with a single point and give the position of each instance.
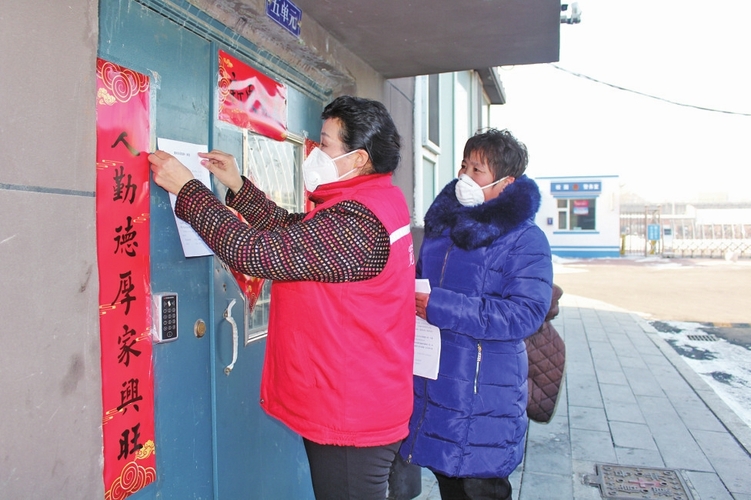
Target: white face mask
(319, 168)
(469, 193)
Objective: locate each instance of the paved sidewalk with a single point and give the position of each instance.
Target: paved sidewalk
(629, 400)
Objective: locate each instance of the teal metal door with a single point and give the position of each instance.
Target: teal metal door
(212, 439)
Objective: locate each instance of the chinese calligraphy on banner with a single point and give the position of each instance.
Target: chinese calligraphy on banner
(250, 99)
(122, 227)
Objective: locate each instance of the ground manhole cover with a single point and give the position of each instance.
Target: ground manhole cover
(702, 338)
(622, 482)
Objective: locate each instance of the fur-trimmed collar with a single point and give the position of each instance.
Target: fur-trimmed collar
(479, 226)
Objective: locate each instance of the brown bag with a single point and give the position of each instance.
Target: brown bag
(547, 365)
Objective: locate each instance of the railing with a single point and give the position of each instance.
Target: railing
(722, 248)
(686, 238)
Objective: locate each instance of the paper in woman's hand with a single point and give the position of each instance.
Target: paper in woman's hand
(427, 341)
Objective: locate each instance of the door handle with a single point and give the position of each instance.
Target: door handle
(235, 340)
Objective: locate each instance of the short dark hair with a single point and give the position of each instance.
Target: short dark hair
(367, 124)
(503, 152)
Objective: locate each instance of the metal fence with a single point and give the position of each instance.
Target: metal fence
(683, 237)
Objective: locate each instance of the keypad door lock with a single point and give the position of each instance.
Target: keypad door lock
(164, 317)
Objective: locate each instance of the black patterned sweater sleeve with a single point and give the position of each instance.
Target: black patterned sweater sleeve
(259, 211)
(345, 242)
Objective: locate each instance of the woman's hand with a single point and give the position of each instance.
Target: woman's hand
(224, 167)
(421, 304)
(169, 173)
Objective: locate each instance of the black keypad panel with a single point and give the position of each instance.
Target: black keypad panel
(169, 317)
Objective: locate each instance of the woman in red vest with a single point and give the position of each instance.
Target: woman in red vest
(339, 354)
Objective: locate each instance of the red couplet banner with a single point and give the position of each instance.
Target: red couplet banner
(122, 229)
(250, 99)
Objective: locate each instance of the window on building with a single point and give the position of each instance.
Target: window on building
(434, 110)
(563, 214)
(428, 111)
(577, 214)
(275, 168)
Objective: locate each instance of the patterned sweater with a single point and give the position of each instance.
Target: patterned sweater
(343, 243)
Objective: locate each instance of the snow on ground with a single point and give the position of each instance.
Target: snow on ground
(723, 365)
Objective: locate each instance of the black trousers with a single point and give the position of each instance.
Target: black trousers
(470, 488)
(348, 472)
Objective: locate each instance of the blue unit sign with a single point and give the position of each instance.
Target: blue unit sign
(568, 188)
(286, 14)
(653, 232)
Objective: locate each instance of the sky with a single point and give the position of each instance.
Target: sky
(685, 51)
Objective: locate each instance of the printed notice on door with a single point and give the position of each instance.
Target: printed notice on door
(187, 153)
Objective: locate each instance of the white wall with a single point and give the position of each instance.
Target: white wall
(604, 240)
(50, 433)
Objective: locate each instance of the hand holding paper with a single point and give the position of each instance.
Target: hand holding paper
(224, 167)
(172, 171)
(169, 173)
(422, 295)
(421, 304)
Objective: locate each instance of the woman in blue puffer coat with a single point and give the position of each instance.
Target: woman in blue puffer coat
(491, 279)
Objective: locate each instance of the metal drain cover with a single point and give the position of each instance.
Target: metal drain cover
(622, 482)
(702, 338)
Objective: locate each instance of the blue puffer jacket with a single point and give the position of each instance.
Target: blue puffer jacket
(491, 277)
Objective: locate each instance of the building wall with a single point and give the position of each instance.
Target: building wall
(322, 58)
(50, 379)
(463, 109)
(604, 239)
(399, 97)
(50, 433)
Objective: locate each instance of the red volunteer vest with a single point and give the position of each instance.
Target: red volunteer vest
(339, 356)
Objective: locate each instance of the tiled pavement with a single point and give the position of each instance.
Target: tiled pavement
(629, 400)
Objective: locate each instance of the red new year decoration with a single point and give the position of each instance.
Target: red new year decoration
(122, 228)
(250, 99)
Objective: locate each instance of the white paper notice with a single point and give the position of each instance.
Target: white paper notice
(187, 153)
(427, 349)
(427, 342)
